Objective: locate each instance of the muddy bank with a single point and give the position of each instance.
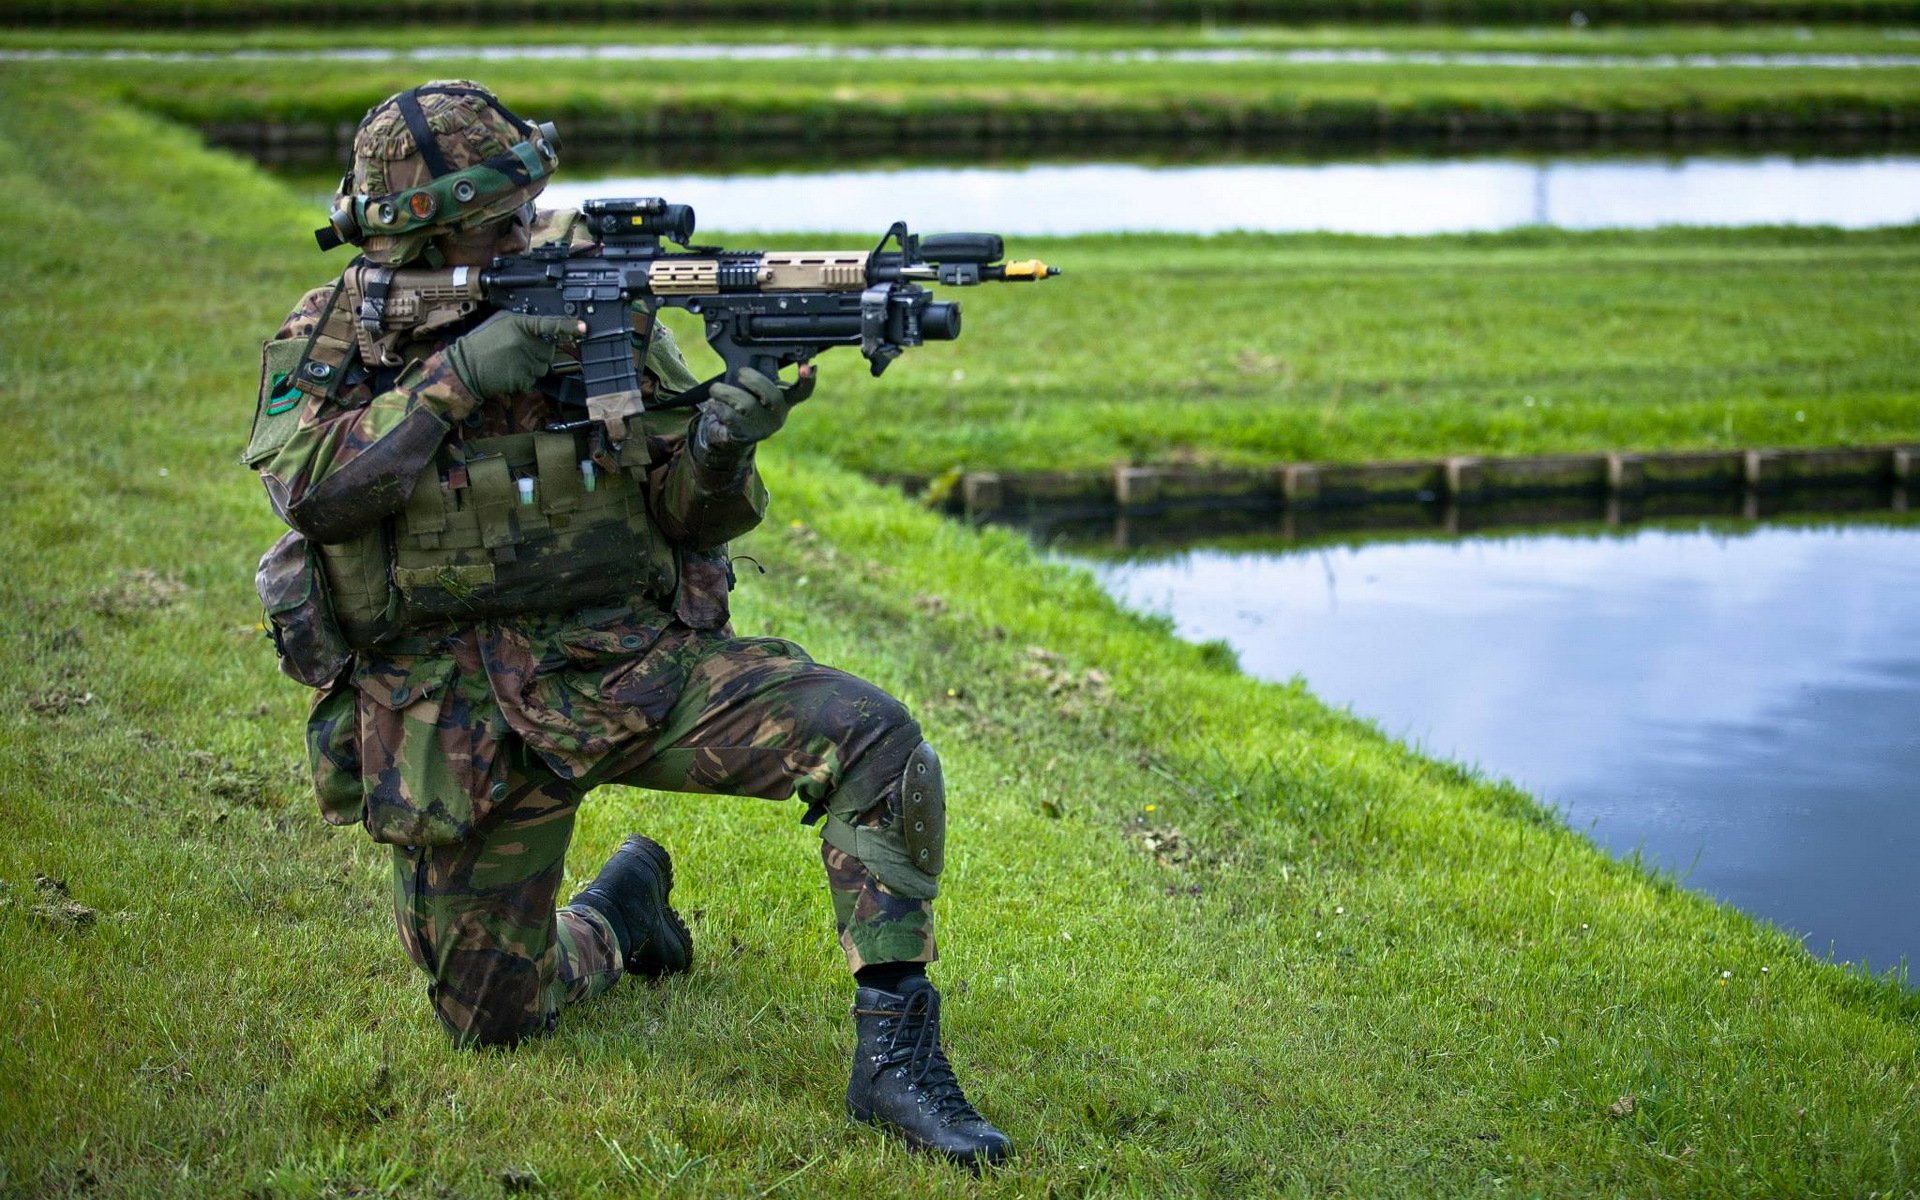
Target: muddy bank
(1616, 483)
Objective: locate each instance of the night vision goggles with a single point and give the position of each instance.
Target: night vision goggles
(443, 200)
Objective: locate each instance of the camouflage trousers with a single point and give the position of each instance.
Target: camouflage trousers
(758, 718)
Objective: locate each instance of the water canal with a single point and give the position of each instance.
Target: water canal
(1457, 195)
(1737, 701)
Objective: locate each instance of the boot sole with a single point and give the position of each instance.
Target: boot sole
(669, 948)
(972, 1162)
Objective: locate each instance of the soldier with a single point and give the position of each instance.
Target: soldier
(463, 713)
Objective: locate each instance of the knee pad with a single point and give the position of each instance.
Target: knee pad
(907, 849)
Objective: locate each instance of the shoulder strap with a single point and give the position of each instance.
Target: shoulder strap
(330, 349)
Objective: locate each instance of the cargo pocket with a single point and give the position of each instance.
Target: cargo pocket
(333, 754)
(312, 648)
(429, 770)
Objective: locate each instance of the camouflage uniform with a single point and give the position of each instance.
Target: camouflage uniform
(469, 747)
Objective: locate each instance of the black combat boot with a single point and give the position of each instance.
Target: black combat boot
(902, 1080)
(631, 893)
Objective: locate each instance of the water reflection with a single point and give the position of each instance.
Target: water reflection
(1739, 701)
(1458, 196)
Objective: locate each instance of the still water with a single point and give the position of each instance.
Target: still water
(1418, 197)
(1743, 707)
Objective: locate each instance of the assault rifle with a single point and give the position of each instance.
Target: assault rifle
(764, 310)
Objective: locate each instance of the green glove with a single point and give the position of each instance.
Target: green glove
(735, 416)
(509, 352)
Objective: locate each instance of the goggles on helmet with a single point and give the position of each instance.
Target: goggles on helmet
(441, 201)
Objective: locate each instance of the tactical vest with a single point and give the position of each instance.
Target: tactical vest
(504, 526)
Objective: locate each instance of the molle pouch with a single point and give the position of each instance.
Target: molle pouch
(365, 604)
(706, 576)
(276, 414)
(312, 648)
(524, 524)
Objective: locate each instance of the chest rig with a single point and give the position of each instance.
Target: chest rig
(526, 523)
(518, 524)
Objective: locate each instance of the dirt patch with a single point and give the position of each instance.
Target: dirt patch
(136, 591)
(57, 909)
(58, 701)
(226, 780)
(1076, 690)
(1168, 846)
(1258, 363)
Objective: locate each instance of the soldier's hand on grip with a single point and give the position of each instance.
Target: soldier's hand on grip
(751, 411)
(509, 352)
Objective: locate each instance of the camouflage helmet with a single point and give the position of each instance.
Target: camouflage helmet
(436, 159)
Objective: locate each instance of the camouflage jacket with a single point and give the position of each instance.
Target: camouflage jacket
(410, 739)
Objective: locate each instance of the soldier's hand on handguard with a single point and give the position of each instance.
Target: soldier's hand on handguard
(735, 416)
(509, 352)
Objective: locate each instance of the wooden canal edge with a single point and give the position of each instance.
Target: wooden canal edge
(1456, 480)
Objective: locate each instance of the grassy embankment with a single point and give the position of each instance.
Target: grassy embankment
(1248, 349)
(1098, 12)
(888, 106)
(1109, 37)
(1351, 969)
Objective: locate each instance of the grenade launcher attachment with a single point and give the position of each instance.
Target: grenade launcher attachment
(763, 309)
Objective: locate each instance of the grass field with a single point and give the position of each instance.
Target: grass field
(1558, 38)
(1099, 12)
(1247, 349)
(1629, 85)
(1202, 935)
(891, 102)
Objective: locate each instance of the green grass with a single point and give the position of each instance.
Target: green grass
(877, 108)
(890, 102)
(1256, 349)
(1558, 38)
(1366, 973)
(1098, 12)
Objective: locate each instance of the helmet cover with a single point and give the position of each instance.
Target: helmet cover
(476, 163)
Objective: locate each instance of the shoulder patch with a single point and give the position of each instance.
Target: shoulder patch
(278, 407)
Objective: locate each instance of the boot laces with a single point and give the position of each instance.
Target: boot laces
(915, 1044)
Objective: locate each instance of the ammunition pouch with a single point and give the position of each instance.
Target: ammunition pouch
(506, 526)
(311, 645)
(364, 602)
